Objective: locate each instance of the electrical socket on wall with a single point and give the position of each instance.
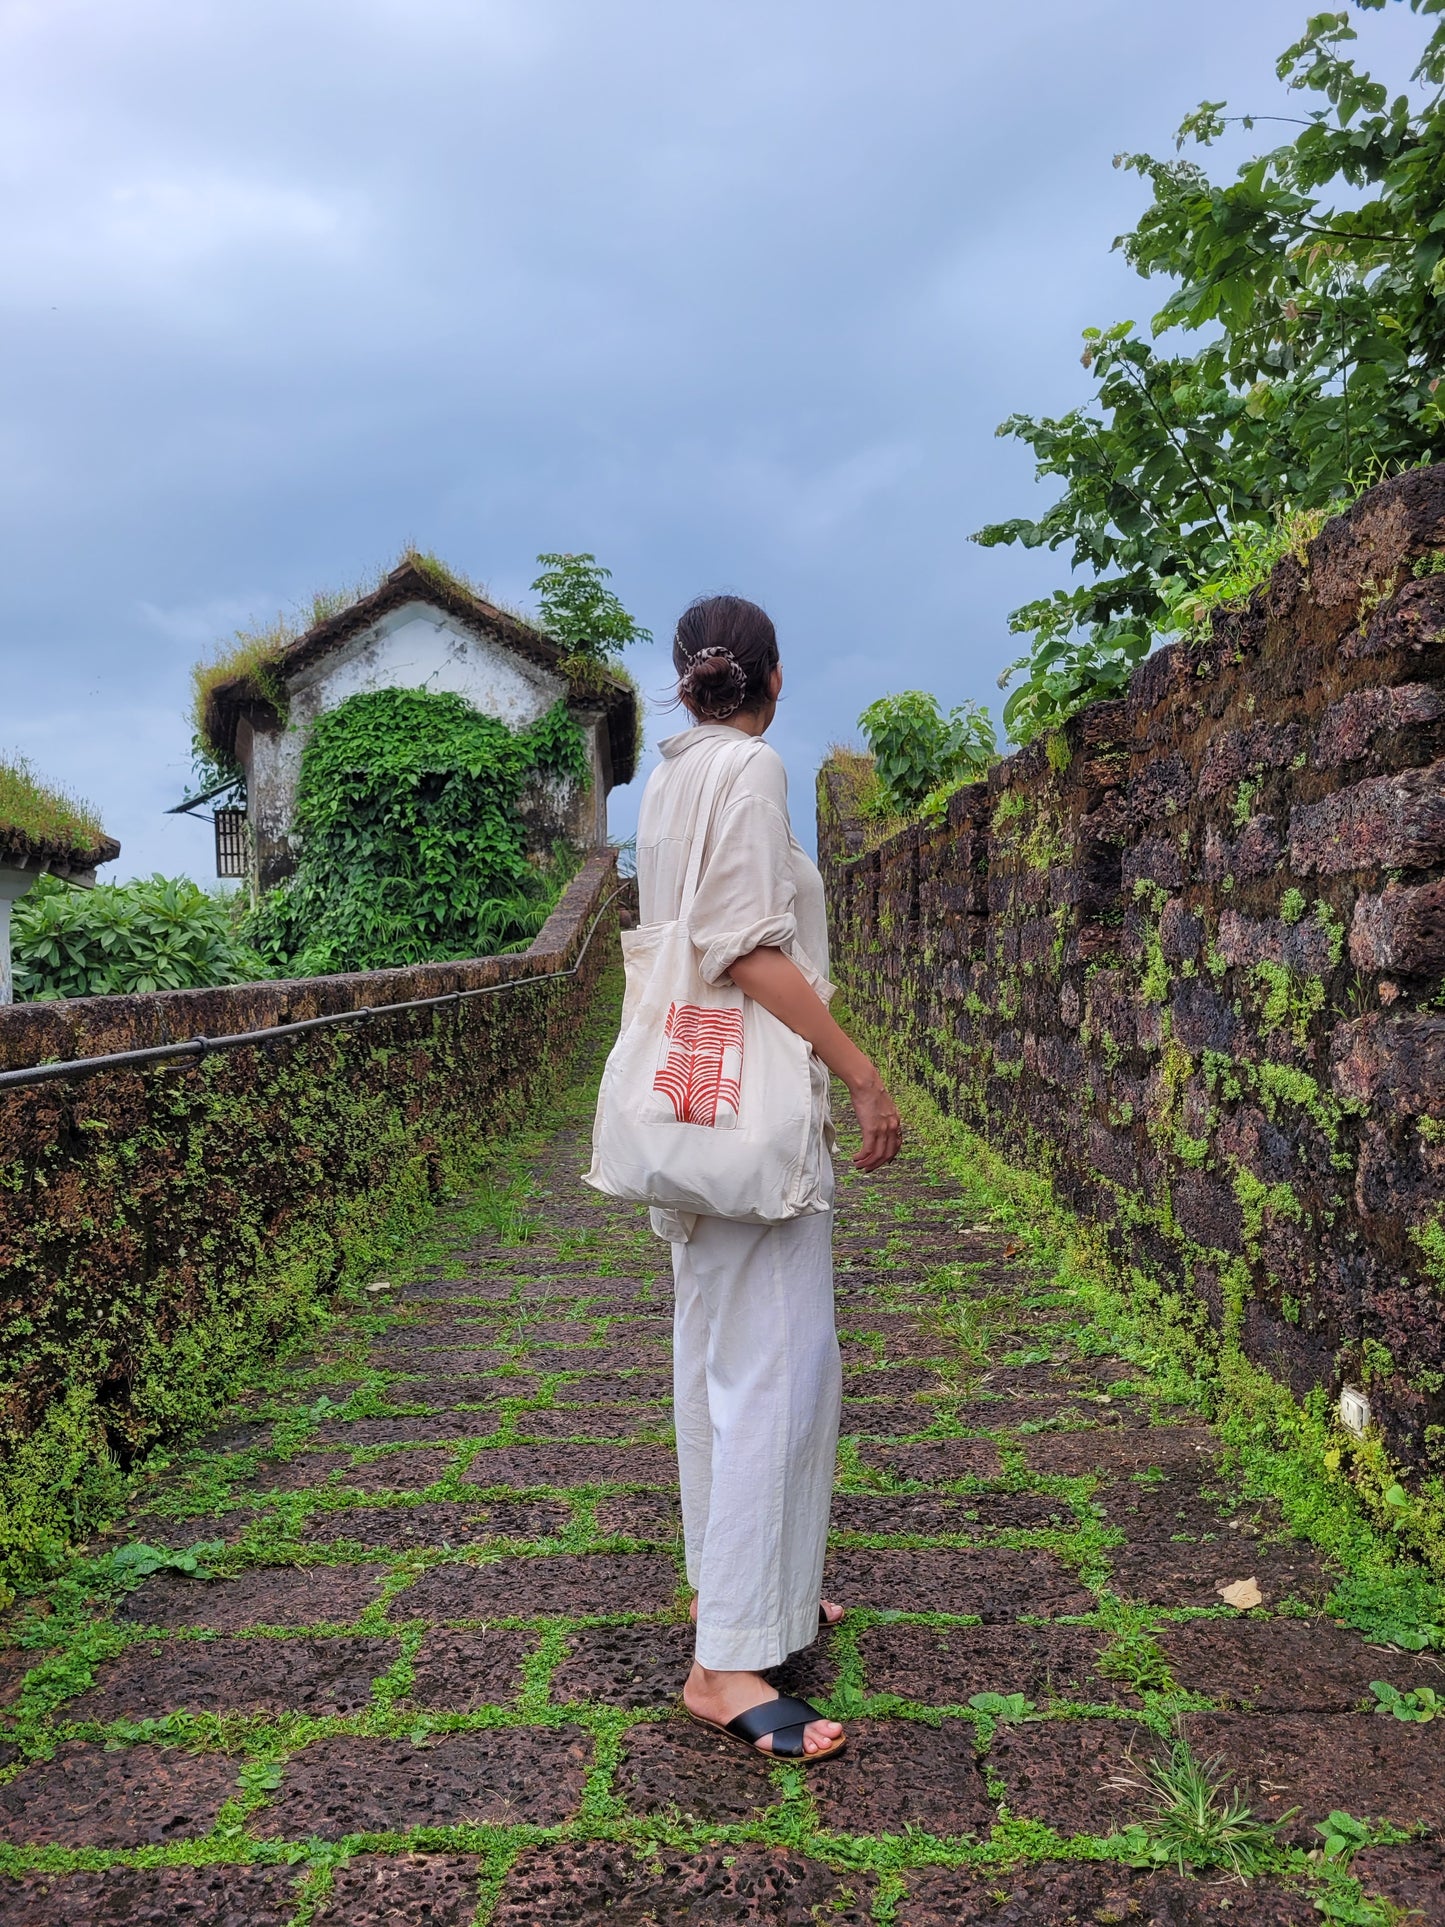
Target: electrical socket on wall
(1354, 1411)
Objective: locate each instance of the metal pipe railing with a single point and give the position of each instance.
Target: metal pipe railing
(198, 1047)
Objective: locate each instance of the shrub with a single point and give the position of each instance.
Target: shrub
(159, 933)
(922, 754)
(411, 848)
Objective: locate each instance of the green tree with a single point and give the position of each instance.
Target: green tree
(579, 610)
(1324, 344)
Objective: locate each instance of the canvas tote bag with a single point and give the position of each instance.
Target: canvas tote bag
(708, 1102)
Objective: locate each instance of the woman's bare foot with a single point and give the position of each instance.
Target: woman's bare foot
(720, 1697)
(832, 1611)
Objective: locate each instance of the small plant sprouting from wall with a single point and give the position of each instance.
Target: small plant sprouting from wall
(580, 613)
(922, 755)
(588, 622)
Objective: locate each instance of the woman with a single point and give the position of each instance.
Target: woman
(757, 1380)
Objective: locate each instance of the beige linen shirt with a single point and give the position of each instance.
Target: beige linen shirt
(757, 886)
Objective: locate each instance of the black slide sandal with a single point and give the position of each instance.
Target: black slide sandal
(784, 1718)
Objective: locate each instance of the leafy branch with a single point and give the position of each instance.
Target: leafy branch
(1323, 331)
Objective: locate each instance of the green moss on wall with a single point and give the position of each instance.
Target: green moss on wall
(161, 1229)
(1343, 1492)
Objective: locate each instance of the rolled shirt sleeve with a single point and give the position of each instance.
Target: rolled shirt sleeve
(745, 896)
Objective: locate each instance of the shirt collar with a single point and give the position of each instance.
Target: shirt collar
(699, 733)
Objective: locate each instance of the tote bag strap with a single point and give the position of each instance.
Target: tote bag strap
(722, 763)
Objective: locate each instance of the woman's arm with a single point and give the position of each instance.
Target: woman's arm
(775, 981)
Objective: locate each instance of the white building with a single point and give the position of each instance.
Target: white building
(416, 631)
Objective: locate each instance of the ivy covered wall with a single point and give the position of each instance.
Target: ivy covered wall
(1187, 957)
(159, 1226)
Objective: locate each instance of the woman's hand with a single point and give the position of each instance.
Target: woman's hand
(776, 982)
(878, 1120)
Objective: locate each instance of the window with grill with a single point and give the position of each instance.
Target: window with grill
(230, 843)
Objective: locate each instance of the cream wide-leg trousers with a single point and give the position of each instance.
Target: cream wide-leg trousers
(757, 1398)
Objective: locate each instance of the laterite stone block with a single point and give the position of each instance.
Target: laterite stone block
(279, 1596)
(1320, 1761)
(1070, 1891)
(217, 1896)
(506, 1774)
(991, 1585)
(317, 1676)
(578, 1885)
(591, 1584)
(140, 1796)
(679, 1766)
(947, 1666)
(403, 1890)
(1064, 1772)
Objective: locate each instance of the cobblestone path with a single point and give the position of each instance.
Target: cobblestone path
(436, 1676)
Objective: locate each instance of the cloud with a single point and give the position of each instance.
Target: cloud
(733, 296)
(177, 251)
(789, 498)
(174, 222)
(198, 625)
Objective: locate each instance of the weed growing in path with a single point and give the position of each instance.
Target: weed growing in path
(1194, 1819)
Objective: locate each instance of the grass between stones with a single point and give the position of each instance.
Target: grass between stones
(412, 1624)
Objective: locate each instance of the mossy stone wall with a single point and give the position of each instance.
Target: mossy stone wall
(161, 1226)
(1187, 958)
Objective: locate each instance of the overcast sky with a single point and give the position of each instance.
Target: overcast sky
(732, 294)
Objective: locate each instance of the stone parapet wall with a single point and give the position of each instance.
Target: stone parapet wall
(160, 1224)
(1187, 956)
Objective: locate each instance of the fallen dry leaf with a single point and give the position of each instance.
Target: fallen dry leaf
(382, 1284)
(1241, 1594)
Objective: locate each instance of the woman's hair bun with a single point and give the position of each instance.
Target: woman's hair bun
(724, 651)
(715, 683)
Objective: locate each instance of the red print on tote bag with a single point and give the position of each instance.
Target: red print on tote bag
(702, 1072)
